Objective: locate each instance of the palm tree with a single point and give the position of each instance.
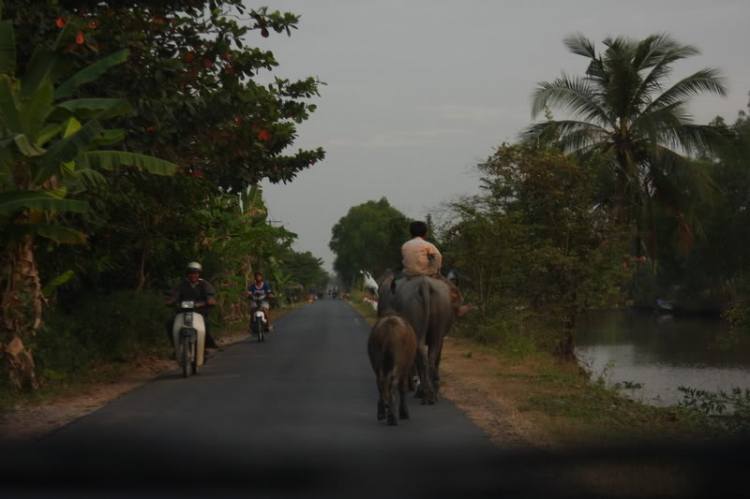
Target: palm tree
(625, 109)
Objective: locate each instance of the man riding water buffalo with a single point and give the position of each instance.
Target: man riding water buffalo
(428, 300)
(421, 257)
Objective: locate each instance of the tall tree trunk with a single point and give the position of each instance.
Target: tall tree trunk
(566, 347)
(142, 275)
(652, 234)
(21, 305)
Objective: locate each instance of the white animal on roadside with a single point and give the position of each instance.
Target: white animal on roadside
(370, 282)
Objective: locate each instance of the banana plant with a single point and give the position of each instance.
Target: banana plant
(51, 145)
(282, 280)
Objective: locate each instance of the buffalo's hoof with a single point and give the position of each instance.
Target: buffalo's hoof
(392, 421)
(404, 415)
(429, 399)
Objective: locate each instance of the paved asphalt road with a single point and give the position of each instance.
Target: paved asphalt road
(292, 417)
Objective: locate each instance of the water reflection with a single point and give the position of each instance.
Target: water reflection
(662, 352)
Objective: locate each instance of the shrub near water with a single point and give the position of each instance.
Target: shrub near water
(511, 333)
(100, 329)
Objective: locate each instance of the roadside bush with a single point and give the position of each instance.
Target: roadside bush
(730, 409)
(100, 328)
(506, 333)
(738, 315)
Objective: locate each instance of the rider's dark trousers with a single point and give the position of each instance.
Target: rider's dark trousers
(210, 343)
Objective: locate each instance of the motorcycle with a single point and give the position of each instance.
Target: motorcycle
(189, 337)
(258, 323)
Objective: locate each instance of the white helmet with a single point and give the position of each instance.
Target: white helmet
(194, 267)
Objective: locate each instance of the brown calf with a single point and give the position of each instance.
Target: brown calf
(392, 347)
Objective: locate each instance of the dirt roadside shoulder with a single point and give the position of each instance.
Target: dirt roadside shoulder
(469, 380)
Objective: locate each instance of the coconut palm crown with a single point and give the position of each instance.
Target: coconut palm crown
(627, 108)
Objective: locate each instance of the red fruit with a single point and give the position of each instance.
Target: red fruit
(150, 129)
(264, 33)
(189, 56)
(80, 39)
(264, 135)
(93, 25)
(229, 70)
(60, 23)
(207, 64)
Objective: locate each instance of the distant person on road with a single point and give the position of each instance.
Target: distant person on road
(193, 288)
(421, 257)
(262, 291)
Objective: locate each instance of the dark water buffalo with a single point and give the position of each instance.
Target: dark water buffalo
(384, 292)
(426, 303)
(392, 346)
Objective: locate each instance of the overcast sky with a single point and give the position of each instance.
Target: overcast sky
(420, 91)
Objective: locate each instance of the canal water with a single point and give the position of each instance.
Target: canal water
(661, 353)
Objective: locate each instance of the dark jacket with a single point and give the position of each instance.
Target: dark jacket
(200, 291)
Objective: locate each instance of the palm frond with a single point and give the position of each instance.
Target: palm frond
(659, 125)
(572, 136)
(619, 45)
(706, 80)
(676, 182)
(689, 176)
(701, 138)
(580, 45)
(662, 48)
(582, 142)
(573, 94)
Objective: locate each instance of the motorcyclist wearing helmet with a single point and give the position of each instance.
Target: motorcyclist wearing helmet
(261, 289)
(193, 288)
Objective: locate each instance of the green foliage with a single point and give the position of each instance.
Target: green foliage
(42, 140)
(505, 331)
(192, 80)
(535, 247)
(100, 328)
(734, 406)
(368, 238)
(177, 81)
(711, 274)
(304, 269)
(626, 109)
